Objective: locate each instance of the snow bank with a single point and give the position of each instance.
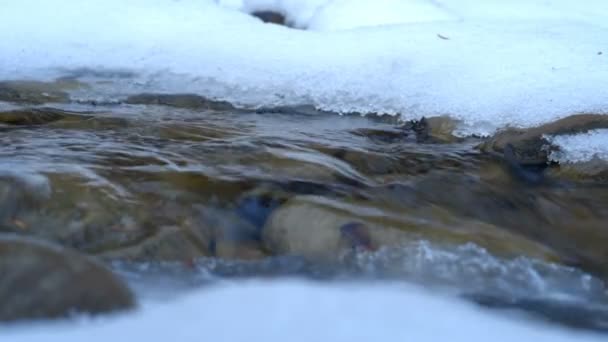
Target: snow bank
(298, 311)
(517, 62)
(327, 15)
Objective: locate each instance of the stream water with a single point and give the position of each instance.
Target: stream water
(177, 194)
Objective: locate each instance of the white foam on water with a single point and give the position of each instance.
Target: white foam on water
(470, 269)
(286, 309)
(583, 147)
(302, 311)
(521, 63)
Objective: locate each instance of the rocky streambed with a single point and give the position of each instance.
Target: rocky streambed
(97, 194)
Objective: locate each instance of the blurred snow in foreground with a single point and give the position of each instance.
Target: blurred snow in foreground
(301, 311)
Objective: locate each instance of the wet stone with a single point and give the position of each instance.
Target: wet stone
(387, 136)
(594, 171)
(16, 197)
(41, 280)
(530, 146)
(322, 229)
(270, 17)
(34, 116)
(294, 110)
(59, 118)
(188, 101)
(73, 214)
(243, 251)
(439, 129)
(35, 92)
(530, 174)
(358, 236)
(562, 312)
(257, 209)
(11, 198)
(168, 244)
(563, 217)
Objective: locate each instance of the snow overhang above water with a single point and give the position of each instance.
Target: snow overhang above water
(584, 147)
(492, 63)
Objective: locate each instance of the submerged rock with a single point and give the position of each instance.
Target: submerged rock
(307, 110)
(594, 170)
(568, 313)
(59, 118)
(438, 129)
(31, 116)
(40, 281)
(72, 213)
(239, 250)
(168, 244)
(188, 101)
(257, 205)
(390, 135)
(433, 130)
(319, 228)
(148, 228)
(569, 218)
(530, 174)
(36, 92)
(304, 228)
(18, 195)
(12, 197)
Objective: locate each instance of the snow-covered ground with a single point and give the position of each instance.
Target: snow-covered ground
(516, 62)
(301, 311)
